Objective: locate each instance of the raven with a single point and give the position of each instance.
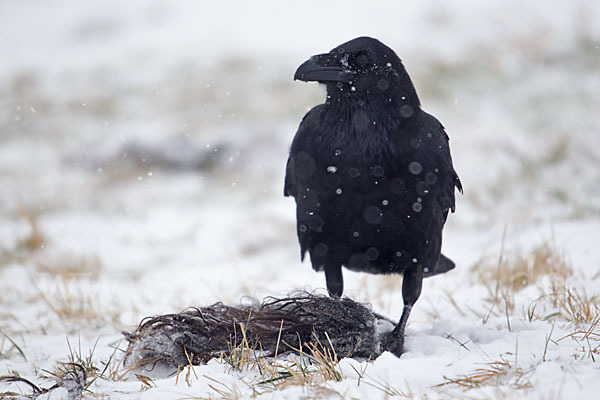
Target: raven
(371, 174)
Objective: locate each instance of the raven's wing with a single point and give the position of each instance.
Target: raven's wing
(288, 185)
(447, 174)
(449, 182)
(299, 161)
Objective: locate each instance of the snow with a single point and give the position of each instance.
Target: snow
(95, 96)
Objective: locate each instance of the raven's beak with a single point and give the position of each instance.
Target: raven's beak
(326, 67)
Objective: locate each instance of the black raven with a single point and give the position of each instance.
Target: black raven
(371, 174)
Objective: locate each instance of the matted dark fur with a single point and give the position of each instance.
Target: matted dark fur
(203, 333)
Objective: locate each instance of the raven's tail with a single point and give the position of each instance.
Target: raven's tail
(443, 265)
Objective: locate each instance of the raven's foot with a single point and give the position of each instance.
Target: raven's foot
(393, 342)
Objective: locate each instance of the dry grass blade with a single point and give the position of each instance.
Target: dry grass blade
(588, 339)
(497, 373)
(548, 339)
(15, 345)
(278, 340)
(225, 392)
(146, 381)
(449, 296)
(36, 239)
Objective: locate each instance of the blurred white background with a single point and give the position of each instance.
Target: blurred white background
(143, 146)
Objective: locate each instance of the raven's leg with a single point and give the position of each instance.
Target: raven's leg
(412, 284)
(335, 280)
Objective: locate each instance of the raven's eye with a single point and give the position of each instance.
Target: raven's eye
(362, 60)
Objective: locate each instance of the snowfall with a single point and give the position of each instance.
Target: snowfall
(142, 153)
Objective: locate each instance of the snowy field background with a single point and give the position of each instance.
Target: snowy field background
(142, 153)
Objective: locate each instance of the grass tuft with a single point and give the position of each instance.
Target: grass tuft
(75, 305)
(496, 373)
(72, 267)
(516, 271)
(587, 339)
(574, 306)
(512, 272)
(312, 364)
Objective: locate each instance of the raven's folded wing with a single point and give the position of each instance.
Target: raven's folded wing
(299, 160)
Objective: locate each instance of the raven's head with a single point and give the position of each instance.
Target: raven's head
(362, 68)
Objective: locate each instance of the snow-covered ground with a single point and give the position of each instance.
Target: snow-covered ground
(142, 153)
